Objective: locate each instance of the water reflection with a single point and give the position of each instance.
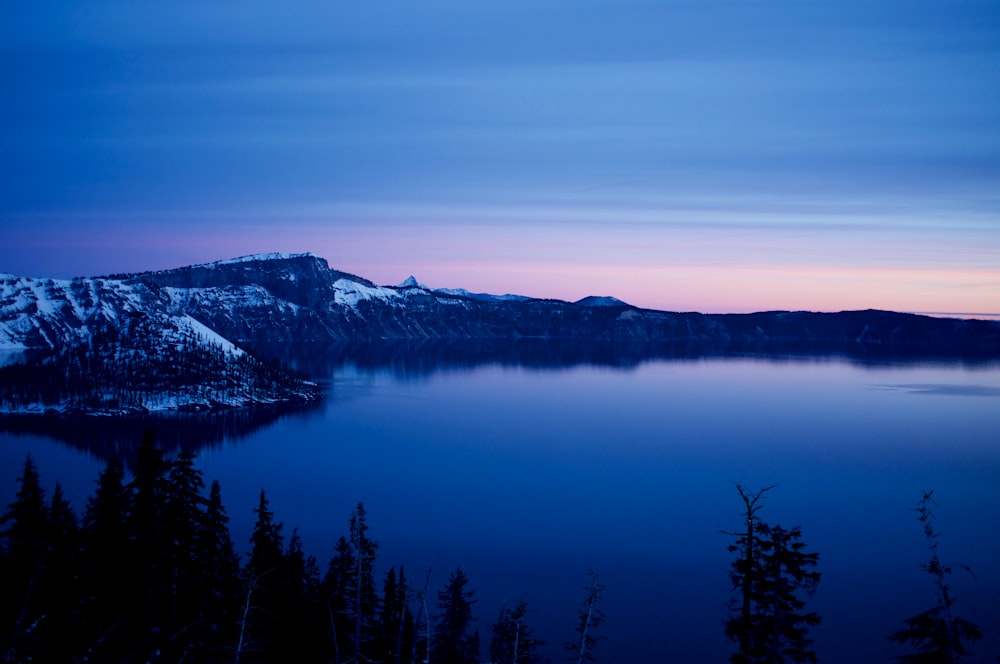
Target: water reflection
(412, 360)
(347, 370)
(945, 389)
(108, 438)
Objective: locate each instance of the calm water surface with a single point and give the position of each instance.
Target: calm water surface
(528, 477)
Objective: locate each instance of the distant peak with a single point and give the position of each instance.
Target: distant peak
(411, 282)
(483, 297)
(601, 301)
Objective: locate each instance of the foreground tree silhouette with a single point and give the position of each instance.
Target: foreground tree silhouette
(219, 573)
(454, 642)
(259, 637)
(770, 576)
(351, 594)
(60, 591)
(150, 577)
(24, 529)
(591, 617)
(183, 517)
(396, 626)
(82, 594)
(106, 550)
(512, 641)
(937, 635)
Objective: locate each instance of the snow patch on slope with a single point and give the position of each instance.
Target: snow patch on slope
(205, 334)
(226, 298)
(349, 293)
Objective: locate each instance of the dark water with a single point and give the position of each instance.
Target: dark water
(527, 474)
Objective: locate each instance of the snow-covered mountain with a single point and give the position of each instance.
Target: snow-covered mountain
(108, 345)
(263, 300)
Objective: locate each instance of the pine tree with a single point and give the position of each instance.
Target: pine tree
(64, 532)
(59, 588)
(267, 542)
(24, 525)
(454, 641)
(395, 642)
(219, 576)
(24, 528)
(298, 605)
(184, 519)
(362, 600)
(350, 593)
(937, 634)
(512, 641)
(386, 638)
(590, 618)
(770, 576)
(260, 638)
(336, 590)
(105, 555)
(151, 577)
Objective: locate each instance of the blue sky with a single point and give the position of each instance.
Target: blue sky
(717, 156)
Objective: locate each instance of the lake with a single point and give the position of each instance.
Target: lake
(528, 472)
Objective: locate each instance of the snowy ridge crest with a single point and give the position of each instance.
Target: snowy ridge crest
(260, 258)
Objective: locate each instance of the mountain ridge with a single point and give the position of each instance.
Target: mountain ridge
(237, 298)
(261, 301)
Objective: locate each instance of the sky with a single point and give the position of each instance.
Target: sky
(695, 156)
